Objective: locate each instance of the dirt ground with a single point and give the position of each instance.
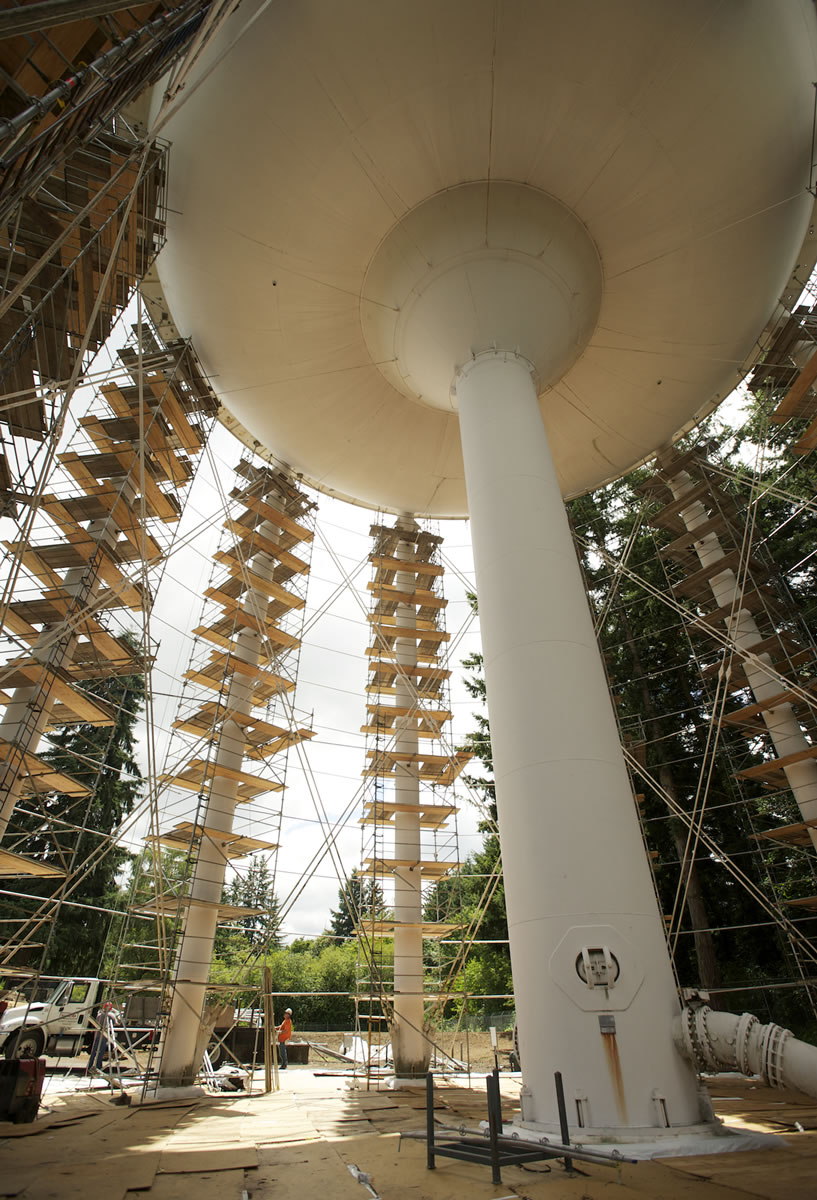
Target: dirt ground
(473, 1047)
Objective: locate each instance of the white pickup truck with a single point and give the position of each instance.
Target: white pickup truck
(60, 1024)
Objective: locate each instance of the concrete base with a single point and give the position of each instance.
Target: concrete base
(689, 1140)
(158, 1094)
(396, 1082)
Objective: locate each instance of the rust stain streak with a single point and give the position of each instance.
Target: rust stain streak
(608, 1041)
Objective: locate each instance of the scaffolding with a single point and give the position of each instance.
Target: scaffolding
(409, 824)
(80, 584)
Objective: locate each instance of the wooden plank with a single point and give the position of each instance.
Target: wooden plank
(34, 564)
(169, 905)
(176, 417)
(790, 835)
(258, 542)
(224, 1184)
(279, 519)
(235, 845)
(16, 864)
(246, 619)
(769, 770)
(750, 711)
(797, 391)
(422, 630)
(32, 671)
(808, 440)
(425, 866)
(42, 776)
(157, 446)
(422, 597)
(429, 929)
(267, 586)
(407, 568)
(268, 685)
(200, 773)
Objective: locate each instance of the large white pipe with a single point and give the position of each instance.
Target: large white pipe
(579, 893)
(721, 1041)
(410, 1049)
(179, 1058)
(781, 721)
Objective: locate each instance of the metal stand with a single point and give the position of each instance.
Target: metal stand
(495, 1148)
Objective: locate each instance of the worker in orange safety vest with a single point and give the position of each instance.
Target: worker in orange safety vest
(284, 1031)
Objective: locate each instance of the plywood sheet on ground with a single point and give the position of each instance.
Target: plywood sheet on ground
(774, 1174)
(107, 1178)
(186, 1161)
(222, 1185)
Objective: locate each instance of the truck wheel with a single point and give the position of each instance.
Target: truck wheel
(217, 1054)
(26, 1043)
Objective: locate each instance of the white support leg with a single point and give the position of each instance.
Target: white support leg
(579, 893)
(409, 1046)
(781, 721)
(180, 1059)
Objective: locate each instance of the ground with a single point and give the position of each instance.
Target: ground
(465, 1047)
(302, 1140)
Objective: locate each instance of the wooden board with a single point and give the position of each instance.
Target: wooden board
(15, 864)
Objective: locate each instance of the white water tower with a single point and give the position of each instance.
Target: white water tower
(469, 257)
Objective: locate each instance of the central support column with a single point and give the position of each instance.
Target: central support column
(595, 993)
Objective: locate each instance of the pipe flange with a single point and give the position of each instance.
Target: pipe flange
(696, 1036)
(771, 1048)
(746, 1025)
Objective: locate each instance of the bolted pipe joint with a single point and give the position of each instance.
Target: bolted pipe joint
(719, 1041)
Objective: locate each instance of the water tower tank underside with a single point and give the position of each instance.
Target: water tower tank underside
(674, 140)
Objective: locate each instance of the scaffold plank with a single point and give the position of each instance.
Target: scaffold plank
(12, 864)
(280, 519)
(199, 774)
(772, 771)
(252, 542)
(25, 672)
(790, 835)
(234, 845)
(429, 929)
(789, 404)
(807, 440)
(169, 906)
(431, 816)
(267, 586)
(39, 775)
(427, 867)
(748, 714)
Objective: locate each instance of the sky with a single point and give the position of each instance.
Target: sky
(323, 774)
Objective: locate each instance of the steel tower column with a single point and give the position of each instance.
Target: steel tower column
(595, 992)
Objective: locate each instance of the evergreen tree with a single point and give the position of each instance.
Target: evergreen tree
(359, 899)
(253, 888)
